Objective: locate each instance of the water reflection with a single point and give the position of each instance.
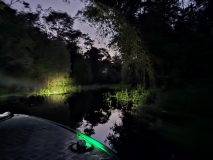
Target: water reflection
(91, 116)
(133, 139)
(101, 129)
(84, 111)
(118, 128)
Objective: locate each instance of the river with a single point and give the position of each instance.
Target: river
(85, 111)
(113, 125)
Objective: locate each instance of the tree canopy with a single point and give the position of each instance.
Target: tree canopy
(43, 44)
(161, 42)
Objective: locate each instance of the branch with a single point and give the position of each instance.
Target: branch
(13, 2)
(108, 15)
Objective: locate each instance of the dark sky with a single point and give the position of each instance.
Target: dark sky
(71, 9)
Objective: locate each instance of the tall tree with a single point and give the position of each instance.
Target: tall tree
(157, 39)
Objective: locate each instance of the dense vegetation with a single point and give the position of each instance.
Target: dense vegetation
(163, 46)
(161, 42)
(41, 50)
(166, 47)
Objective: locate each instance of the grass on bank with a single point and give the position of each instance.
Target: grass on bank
(60, 89)
(182, 117)
(67, 89)
(135, 96)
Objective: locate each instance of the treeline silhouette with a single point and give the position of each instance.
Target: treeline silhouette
(41, 45)
(162, 43)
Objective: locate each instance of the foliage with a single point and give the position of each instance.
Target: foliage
(94, 66)
(56, 85)
(163, 43)
(26, 51)
(124, 39)
(66, 86)
(43, 47)
(135, 97)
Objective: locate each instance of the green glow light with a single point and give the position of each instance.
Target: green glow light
(95, 143)
(88, 145)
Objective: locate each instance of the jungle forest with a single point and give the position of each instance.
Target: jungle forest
(160, 75)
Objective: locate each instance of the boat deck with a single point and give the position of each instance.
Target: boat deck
(24, 137)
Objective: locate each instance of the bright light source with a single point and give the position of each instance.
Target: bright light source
(90, 141)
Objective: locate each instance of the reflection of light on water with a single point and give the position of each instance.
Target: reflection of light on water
(103, 130)
(55, 101)
(60, 98)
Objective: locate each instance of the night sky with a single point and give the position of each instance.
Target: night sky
(71, 9)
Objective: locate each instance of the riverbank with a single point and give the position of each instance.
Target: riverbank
(59, 89)
(183, 117)
(177, 124)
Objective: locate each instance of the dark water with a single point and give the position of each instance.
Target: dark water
(85, 111)
(115, 126)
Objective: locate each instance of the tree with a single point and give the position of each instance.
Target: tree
(125, 39)
(158, 40)
(27, 52)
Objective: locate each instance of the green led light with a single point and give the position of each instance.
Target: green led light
(88, 145)
(95, 143)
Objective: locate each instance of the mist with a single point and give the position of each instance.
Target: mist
(8, 81)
